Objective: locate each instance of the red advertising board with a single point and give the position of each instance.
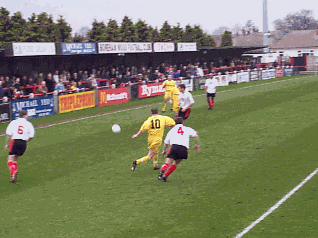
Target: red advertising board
(150, 90)
(279, 73)
(113, 96)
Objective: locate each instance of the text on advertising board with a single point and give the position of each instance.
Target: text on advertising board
(38, 107)
(112, 96)
(149, 90)
(78, 101)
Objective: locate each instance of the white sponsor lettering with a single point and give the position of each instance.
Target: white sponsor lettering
(18, 106)
(149, 90)
(112, 97)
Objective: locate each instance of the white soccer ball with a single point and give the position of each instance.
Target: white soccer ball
(116, 128)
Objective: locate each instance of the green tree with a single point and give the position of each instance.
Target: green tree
(63, 30)
(177, 33)
(31, 34)
(208, 41)
(112, 31)
(197, 35)
(154, 35)
(127, 31)
(4, 23)
(77, 38)
(227, 39)
(97, 33)
(42, 28)
(188, 34)
(17, 28)
(142, 31)
(166, 32)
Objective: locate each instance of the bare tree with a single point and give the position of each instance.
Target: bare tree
(250, 27)
(302, 20)
(220, 30)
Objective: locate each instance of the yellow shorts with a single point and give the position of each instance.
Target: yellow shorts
(167, 94)
(175, 106)
(154, 144)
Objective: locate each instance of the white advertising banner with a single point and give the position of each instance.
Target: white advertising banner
(223, 80)
(268, 74)
(187, 46)
(232, 77)
(243, 77)
(163, 46)
(33, 48)
(254, 75)
(123, 47)
(272, 73)
(188, 83)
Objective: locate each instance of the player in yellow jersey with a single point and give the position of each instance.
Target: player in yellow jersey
(175, 98)
(155, 125)
(168, 85)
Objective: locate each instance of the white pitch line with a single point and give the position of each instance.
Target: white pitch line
(280, 202)
(122, 110)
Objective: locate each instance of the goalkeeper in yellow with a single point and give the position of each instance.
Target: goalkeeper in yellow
(155, 125)
(168, 85)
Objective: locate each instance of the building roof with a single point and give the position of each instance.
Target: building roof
(298, 39)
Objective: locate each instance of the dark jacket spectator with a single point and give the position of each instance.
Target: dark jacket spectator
(85, 76)
(1, 90)
(75, 77)
(50, 82)
(17, 84)
(112, 73)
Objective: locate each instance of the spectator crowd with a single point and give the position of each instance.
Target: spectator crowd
(38, 83)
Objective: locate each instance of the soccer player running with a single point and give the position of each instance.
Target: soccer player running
(211, 85)
(168, 85)
(18, 132)
(175, 98)
(178, 137)
(155, 125)
(185, 102)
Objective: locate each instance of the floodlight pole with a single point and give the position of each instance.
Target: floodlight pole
(265, 27)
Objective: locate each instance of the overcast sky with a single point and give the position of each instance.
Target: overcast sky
(209, 14)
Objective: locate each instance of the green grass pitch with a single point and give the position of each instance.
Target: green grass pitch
(258, 143)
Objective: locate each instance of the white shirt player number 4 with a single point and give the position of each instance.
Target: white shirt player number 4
(180, 135)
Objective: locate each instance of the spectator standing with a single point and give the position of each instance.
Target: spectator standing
(127, 78)
(177, 74)
(112, 73)
(1, 90)
(199, 71)
(75, 77)
(85, 76)
(56, 77)
(42, 89)
(59, 87)
(39, 79)
(50, 82)
(183, 72)
(17, 84)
